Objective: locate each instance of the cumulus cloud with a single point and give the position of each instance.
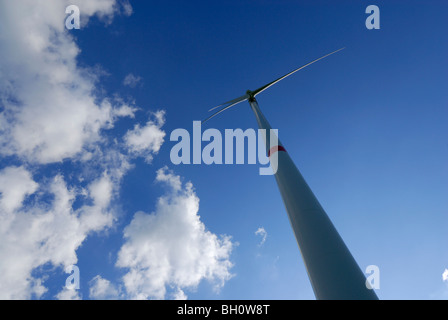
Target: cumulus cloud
(170, 249)
(145, 141)
(131, 80)
(49, 113)
(67, 171)
(68, 294)
(179, 295)
(15, 184)
(102, 289)
(32, 235)
(445, 275)
(263, 234)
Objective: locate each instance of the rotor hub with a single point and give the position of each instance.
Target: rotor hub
(251, 96)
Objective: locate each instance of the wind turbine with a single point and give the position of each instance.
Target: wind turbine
(332, 270)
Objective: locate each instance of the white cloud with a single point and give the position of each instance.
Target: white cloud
(261, 232)
(48, 231)
(101, 191)
(131, 80)
(145, 141)
(170, 179)
(179, 295)
(102, 289)
(15, 184)
(445, 275)
(68, 294)
(125, 111)
(50, 111)
(171, 248)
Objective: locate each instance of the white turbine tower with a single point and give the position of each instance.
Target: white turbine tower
(332, 270)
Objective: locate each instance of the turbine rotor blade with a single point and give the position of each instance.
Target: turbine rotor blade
(230, 102)
(234, 102)
(252, 94)
(260, 90)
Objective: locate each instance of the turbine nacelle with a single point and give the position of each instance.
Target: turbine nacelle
(251, 95)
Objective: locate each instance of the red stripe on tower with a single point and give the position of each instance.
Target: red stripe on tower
(275, 149)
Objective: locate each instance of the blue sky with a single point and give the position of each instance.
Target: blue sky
(85, 172)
